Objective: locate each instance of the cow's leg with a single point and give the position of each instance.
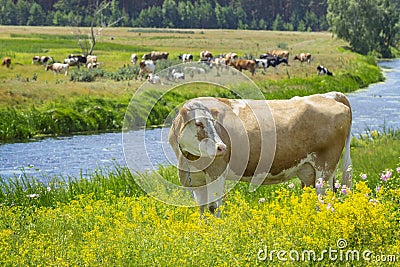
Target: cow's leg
(215, 191)
(306, 173)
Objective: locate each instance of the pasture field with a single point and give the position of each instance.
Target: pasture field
(109, 221)
(32, 99)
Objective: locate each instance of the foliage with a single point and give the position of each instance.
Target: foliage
(368, 25)
(236, 14)
(109, 220)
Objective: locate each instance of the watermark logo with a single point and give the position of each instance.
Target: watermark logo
(341, 252)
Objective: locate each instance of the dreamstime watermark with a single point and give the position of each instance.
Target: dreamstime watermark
(339, 253)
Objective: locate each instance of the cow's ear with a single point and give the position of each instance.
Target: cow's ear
(184, 113)
(214, 113)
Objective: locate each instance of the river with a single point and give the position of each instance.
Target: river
(375, 108)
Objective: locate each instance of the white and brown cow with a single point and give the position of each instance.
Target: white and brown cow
(6, 61)
(146, 67)
(260, 142)
(243, 64)
(302, 57)
(154, 55)
(280, 53)
(58, 68)
(42, 59)
(205, 55)
(134, 59)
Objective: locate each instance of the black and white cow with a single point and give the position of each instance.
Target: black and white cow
(186, 58)
(321, 70)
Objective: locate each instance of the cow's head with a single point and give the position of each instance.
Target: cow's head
(198, 135)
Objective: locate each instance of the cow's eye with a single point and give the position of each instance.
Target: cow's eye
(198, 123)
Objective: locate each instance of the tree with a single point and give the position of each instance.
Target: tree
(368, 25)
(36, 15)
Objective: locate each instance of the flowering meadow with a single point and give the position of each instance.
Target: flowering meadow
(109, 221)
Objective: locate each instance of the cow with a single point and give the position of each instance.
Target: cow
(6, 61)
(134, 59)
(194, 70)
(186, 58)
(75, 60)
(231, 56)
(205, 55)
(270, 61)
(176, 75)
(146, 67)
(321, 70)
(154, 56)
(92, 65)
(261, 142)
(42, 59)
(280, 53)
(152, 78)
(243, 64)
(303, 57)
(91, 59)
(218, 63)
(58, 68)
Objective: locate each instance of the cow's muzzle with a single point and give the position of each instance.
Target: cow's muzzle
(220, 149)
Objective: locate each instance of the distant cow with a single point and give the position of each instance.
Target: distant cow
(58, 68)
(303, 57)
(243, 64)
(280, 53)
(134, 59)
(91, 59)
(176, 75)
(205, 55)
(186, 58)
(270, 61)
(92, 65)
(75, 60)
(321, 70)
(231, 56)
(42, 59)
(153, 78)
(194, 70)
(155, 56)
(6, 62)
(146, 67)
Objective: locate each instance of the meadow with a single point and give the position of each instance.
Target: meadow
(36, 103)
(108, 220)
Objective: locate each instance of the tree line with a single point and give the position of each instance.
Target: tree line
(298, 15)
(368, 25)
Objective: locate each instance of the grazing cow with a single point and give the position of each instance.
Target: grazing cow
(92, 65)
(186, 58)
(155, 56)
(280, 53)
(58, 68)
(153, 78)
(321, 70)
(6, 61)
(194, 70)
(205, 55)
(42, 59)
(146, 67)
(134, 59)
(91, 59)
(75, 60)
(303, 57)
(231, 56)
(176, 75)
(271, 61)
(261, 142)
(218, 63)
(243, 64)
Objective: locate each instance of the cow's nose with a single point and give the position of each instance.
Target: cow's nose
(221, 149)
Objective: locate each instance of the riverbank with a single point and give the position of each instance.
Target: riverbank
(36, 103)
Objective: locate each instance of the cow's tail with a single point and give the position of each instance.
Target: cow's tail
(347, 166)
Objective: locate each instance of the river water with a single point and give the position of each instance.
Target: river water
(375, 108)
